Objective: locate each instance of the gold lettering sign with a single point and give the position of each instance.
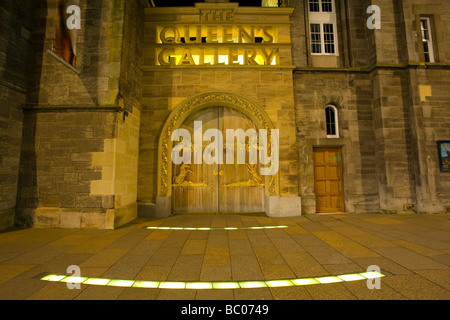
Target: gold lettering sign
(217, 45)
(216, 15)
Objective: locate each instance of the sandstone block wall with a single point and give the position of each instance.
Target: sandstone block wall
(80, 146)
(163, 91)
(11, 122)
(269, 87)
(79, 149)
(15, 38)
(351, 94)
(391, 106)
(56, 163)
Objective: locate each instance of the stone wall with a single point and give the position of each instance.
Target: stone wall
(428, 104)
(80, 146)
(409, 103)
(351, 94)
(391, 107)
(11, 122)
(15, 37)
(430, 118)
(269, 87)
(393, 140)
(57, 168)
(99, 50)
(165, 90)
(130, 80)
(86, 148)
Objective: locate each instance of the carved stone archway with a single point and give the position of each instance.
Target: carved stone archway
(175, 121)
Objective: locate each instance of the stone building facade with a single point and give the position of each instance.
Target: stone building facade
(360, 109)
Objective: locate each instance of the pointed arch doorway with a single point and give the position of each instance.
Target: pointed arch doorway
(213, 189)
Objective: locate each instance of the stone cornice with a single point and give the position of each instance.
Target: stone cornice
(73, 108)
(376, 66)
(285, 11)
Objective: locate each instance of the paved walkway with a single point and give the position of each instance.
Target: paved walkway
(413, 251)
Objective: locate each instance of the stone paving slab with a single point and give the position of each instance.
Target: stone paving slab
(413, 251)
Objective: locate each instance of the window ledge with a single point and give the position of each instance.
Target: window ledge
(67, 65)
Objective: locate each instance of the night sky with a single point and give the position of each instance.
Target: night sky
(188, 3)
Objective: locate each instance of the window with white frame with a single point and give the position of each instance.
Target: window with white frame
(316, 38)
(314, 5)
(328, 38)
(322, 19)
(327, 5)
(427, 39)
(332, 121)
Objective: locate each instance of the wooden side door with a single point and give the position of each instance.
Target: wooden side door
(329, 184)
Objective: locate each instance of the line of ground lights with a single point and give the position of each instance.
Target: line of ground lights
(211, 285)
(215, 229)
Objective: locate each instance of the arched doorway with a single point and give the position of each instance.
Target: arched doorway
(228, 186)
(220, 188)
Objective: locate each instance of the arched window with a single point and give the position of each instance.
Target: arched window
(332, 121)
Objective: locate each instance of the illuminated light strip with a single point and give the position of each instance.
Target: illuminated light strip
(121, 283)
(226, 285)
(212, 229)
(180, 285)
(279, 283)
(372, 275)
(352, 277)
(146, 284)
(96, 282)
(54, 278)
(305, 282)
(253, 284)
(199, 285)
(74, 279)
(172, 285)
(325, 280)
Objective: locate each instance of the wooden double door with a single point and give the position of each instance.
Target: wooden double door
(329, 184)
(218, 188)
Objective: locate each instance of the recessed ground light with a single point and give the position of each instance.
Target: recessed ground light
(146, 284)
(372, 275)
(252, 284)
(304, 282)
(74, 279)
(325, 280)
(199, 285)
(351, 277)
(279, 283)
(180, 285)
(172, 285)
(53, 278)
(226, 285)
(121, 283)
(97, 282)
(215, 229)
